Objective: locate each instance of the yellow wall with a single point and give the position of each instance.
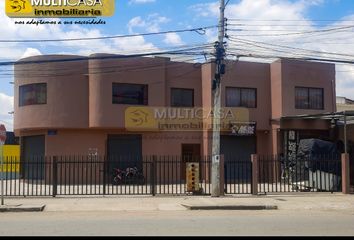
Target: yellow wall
(11, 157)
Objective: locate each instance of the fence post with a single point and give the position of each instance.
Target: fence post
(345, 174)
(222, 175)
(254, 185)
(153, 175)
(225, 178)
(104, 175)
(55, 176)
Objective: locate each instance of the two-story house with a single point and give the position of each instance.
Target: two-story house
(73, 105)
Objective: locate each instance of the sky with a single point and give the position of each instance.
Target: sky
(259, 27)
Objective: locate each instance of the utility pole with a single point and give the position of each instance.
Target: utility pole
(220, 70)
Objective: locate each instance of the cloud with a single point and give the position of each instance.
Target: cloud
(206, 9)
(151, 24)
(256, 9)
(254, 20)
(15, 51)
(345, 81)
(173, 39)
(31, 52)
(134, 45)
(141, 1)
(6, 106)
(136, 22)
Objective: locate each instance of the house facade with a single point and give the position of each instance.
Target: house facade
(72, 105)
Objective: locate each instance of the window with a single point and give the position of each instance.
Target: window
(182, 97)
(135, 94)
(309, 98)
(241, 97)
(33, 94)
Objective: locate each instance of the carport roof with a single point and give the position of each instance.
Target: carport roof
(340, 118)
(347, 116)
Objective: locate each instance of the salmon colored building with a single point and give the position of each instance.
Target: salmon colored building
(73, 105)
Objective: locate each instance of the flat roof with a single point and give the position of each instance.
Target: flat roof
(348, 115)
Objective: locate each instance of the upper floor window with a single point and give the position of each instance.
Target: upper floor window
(182, 97)
(126, 93)
(33, 94)
(309, 98)
(241, 97)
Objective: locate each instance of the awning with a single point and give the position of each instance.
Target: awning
(339, 118)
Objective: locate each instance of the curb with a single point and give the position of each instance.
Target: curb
(230, 207)
(21, 208)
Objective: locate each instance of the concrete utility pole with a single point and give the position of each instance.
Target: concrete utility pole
(220, 70)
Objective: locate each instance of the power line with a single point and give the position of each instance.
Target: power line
(81, 58)
(293, 58)
(53, 68)
(288, 47)
(200, 30)
(289, 20)
(335, 41)
(292, 54)
(121, 69)
(69, 70)
(296, 33)
(281, 25)
(144, 50)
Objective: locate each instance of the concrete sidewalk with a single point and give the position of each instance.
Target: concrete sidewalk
(296, 201)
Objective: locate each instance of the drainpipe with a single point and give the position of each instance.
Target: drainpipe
(345, 133)
(334, 100)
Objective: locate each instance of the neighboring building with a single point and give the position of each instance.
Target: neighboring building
(344, 104)
(78, 107)
(344, 100)
(11, 139)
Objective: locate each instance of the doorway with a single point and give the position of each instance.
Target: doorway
(32, 160)
(124, 151)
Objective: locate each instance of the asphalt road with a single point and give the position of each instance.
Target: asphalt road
(179, 223)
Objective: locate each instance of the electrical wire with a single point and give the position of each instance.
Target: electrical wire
(289, 20)
(47, 67)
(80, 58)
(200, 30)
(122, 69)
(289, 47)
(326, 31)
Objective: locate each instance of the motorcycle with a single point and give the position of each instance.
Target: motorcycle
(128, 176)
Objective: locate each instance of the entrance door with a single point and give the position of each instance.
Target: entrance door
(237, 152)
(125, 151)
(239, 147)
(33, 157)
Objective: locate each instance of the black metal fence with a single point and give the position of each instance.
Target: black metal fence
(237, 175)
(317, 173)
(98, 175)
(154, 175)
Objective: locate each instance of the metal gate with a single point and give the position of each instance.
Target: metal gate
(95, 175)
(318, 173)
